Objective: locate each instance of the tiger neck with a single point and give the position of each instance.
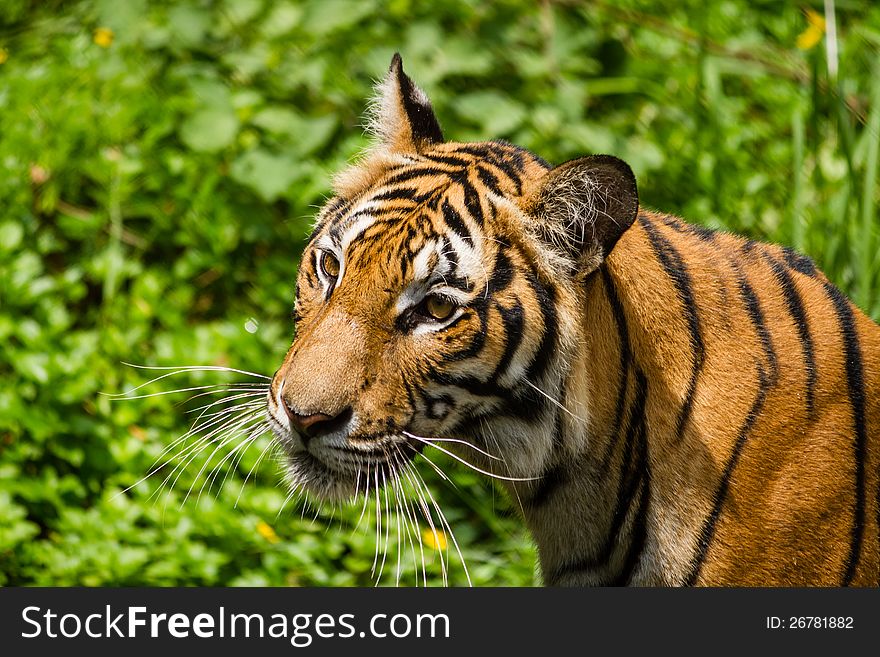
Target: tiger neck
(589, 512)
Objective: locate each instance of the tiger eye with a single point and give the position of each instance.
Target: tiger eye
(438, 307)
(330, 264)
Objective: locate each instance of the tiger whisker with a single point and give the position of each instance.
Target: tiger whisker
(409, 472)
(437, 469)
(468, 464)
(445, 522)
(241, 448)
(385, 485)
(293, 491)
(401, 542)
(491, 434)
(229, 438)
(378, 522)
(154, 468)
(248, 404)
(243, 400)
(219, 422)
(269, 445)
(218, 435)
(554, 401)
(125, 396)
(239, 394)
(421, 490)
(459, 441)
(408, 519)
(366, 497)
(196, 368)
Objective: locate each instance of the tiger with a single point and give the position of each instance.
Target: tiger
(665, 404)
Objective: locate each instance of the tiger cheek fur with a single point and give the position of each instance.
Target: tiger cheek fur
(668, 405)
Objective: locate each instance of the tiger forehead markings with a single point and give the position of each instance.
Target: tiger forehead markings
(666, 404)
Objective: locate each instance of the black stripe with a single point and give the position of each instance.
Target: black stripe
(799, 316)
(479, 339)
(505, 167)
(634, 413)
(631, 473)
(502, 273)
(623, 365)
(470, 384)
(753, 307)
(675, 268)
(639, 529)
(524, 404)
(410, 395)
(398, 194)
(798, 262)
(315, 231)
(334, 209)
(512, 319)
(337, 230)
(704, 233)
(489, 180)
(472, 203)
(482, 151)
(631, 480)
(418, 172)
(507, 158)
(517, 154)
(852, 358)
(455, 222)
(707, 531)
(513, 154)
(552, 479)
(450, 160)
(547, 302)
(336, 205)
(447, 251)
(748, 247)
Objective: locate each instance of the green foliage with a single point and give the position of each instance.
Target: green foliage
(159, 165)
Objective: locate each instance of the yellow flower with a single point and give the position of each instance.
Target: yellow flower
(265, 530)
(4, 55)
(434, 539)
(103, 37)
(813, 34)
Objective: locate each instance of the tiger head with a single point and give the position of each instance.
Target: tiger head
(436, 302)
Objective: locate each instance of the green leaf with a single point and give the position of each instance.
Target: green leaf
(329, 16)
(269, 175)
(497, 114)
(189, 24)
(210, 129)
(11, 234)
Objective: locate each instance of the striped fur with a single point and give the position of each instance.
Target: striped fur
(690, 407)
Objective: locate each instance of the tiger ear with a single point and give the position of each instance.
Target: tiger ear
(583, 206)
(403, 118)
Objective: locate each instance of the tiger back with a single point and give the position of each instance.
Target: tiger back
(665, 404)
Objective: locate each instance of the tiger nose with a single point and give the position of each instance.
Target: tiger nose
(318, 424)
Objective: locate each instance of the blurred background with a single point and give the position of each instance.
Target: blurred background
(161, 162)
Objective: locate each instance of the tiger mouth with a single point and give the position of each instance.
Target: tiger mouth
(349, 470)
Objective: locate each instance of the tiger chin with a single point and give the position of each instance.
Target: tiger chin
(669, 405)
